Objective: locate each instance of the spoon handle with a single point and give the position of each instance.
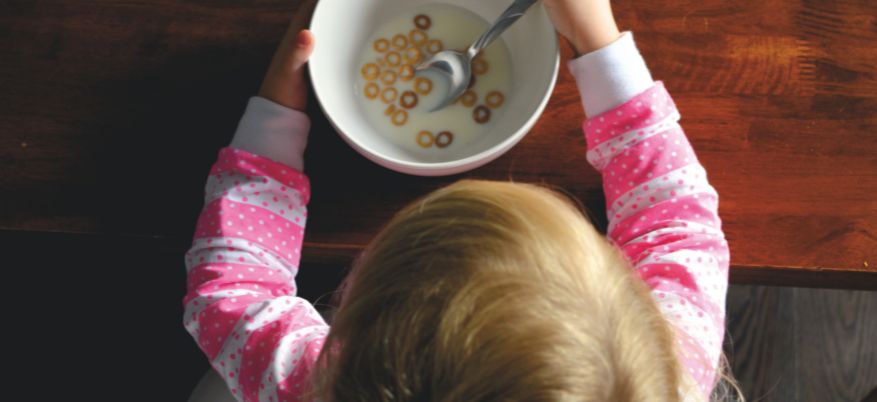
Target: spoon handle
(511, 14)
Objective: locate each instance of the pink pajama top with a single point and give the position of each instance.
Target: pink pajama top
(241, 305)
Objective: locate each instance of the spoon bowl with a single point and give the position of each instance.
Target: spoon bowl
(457, 67)
(454, 66)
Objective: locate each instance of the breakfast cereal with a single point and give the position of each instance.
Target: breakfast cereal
(404, 97)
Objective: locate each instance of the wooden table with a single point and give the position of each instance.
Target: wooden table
(112, 112)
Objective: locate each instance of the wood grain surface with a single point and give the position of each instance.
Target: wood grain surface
(803, 345)
(113, 111)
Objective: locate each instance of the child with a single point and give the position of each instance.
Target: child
(480, 291)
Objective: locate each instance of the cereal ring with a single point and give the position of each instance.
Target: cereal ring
(389, 94)
(417, 37)
(423, 86)
(390, 110)
(443, 139)
(406, 73)
(400, 42)
(412, 55)
(423, 22)
(481, 114)
(434, 46)
(400, 117)
(425, 139)
(389, 77)
(370, 71)
(371, 90)
(469, 98)
(408, 100)
(393, 59)
(479, 66)
(494, 99)
(381, 45)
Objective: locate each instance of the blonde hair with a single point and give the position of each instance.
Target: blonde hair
(490, 291)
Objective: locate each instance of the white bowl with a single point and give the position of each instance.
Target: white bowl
(341, 29)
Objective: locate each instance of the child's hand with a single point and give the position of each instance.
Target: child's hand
(587, 24)
(285, 82)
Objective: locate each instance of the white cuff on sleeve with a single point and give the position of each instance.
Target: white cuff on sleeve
(611, 76)
(273, 131)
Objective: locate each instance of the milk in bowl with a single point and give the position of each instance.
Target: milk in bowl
(397, 100)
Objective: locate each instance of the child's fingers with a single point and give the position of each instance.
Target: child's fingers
(288, 45)
(294, 51)
(299, 22)
(303, 48)
(284, 83)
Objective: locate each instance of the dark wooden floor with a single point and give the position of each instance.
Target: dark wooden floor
(101, 317)
(796, 344)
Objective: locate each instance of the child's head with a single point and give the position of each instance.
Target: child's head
(489, 291)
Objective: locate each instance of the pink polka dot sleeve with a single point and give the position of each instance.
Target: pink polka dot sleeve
(241, 305)
(663, 213)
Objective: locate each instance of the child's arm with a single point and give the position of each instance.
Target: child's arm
(662, 210)
(663, 213)
(241, 306)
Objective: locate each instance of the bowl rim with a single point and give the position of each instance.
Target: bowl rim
(450, 167)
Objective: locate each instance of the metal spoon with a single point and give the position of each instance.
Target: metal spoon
(457, 67)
